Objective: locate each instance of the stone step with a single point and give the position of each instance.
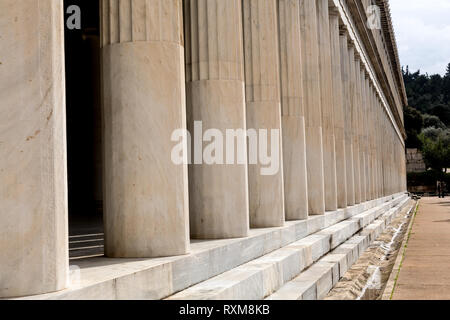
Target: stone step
(159, 278)
(261, 277)
(315, 282)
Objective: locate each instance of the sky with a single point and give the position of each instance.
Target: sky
(422, 29)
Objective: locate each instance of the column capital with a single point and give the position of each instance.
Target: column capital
(343, 29)
(351, 43)
(333, 10)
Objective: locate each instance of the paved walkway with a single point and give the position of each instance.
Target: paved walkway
(425, 272)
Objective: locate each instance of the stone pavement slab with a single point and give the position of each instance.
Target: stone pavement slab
(425, 272)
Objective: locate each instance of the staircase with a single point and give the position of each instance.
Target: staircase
(301, 260)
(306, 269)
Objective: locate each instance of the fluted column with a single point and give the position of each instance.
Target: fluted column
(360, 128)
(33, 173)
(388, 170)
(215, 96)
(293, 121)
(327, 103)
(375, 160)
(364, 127)
(392, 155)
(354, 123)
(345, 73)
(262, 92)
(339, 112)
(386, 154)
(313, 109)
(146, 194)
(378, 148)
(381, 150)
(368, 121)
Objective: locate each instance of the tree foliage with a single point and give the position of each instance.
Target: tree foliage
(432, 121)
(436, 148)
(427, 119)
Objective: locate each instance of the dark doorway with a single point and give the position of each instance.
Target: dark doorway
(84, 143)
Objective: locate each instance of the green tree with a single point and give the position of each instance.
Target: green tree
(436, 148)
(446, 86)
(413, 126)
(427, 95)
(442, 112)
(432, 121)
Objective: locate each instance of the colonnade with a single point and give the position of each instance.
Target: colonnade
(289, 65)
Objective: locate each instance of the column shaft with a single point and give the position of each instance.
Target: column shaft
(219, 202)
(368, 135)
(361, 142)
(313, 109)
(293, 121)
(146, 194)
(345, 73)
(33, 165)
(354, 124)
(262, 92)
(376, 179)
(327, 103)
(381, 145)
(339, 112)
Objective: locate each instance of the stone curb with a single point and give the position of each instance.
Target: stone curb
(390, 286)
(319, 279)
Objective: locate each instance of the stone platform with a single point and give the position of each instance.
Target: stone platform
(247, 268)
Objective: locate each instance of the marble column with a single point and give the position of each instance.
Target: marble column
(146, 194)
(359, 119)
(375, 145)
(313, 108)
(33, 165)
(368, 120)
(364, 112)
(381, 150)
(219, 204)
(292, 103)
(378, 146)
(354, 123)
(384, 145)
(345, 74)
(374, 142)
(387, 149)
(262, 92)
(339, 112)
(327, 103)
(391, 155)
